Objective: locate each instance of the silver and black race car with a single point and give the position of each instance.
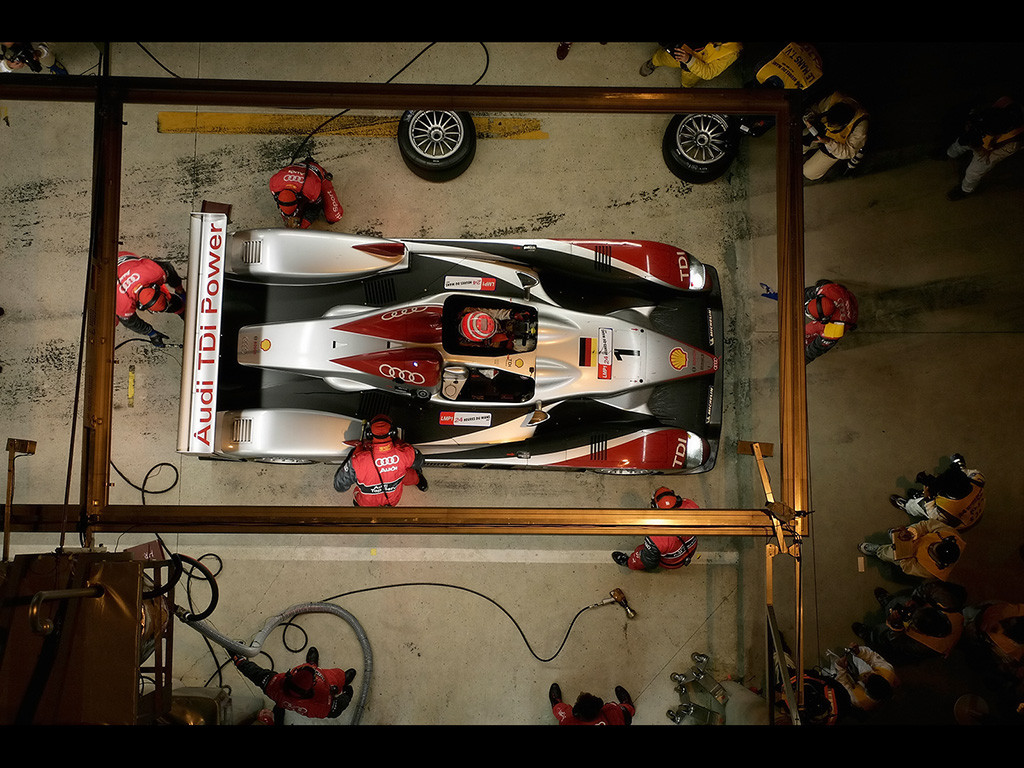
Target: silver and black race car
(569, 354)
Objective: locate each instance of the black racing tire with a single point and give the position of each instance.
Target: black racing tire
(437, 145)
(699, 148)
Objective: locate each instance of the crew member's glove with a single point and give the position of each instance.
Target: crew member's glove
(156, 338)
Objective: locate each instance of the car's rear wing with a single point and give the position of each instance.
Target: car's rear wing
(201, 344)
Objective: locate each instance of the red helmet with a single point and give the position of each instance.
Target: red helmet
(151, 297)
(666, 498)
(382, 428)
(820, 308)
(287, 201)
(477, 326)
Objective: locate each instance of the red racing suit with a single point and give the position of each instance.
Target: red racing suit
(667, 551)
(612, 713)
(329, 697)
(313, 191)
(135, 273)
(379, 469)
(820, 337)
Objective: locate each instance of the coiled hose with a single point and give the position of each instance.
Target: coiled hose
(254, 648)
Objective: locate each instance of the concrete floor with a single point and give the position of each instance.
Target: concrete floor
(932, 369)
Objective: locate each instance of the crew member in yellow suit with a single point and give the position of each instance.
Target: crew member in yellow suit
(926, 549)
(697, 62)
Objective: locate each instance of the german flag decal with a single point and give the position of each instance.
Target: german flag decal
(588, 353)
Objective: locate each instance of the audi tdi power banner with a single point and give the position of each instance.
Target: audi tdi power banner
(201, 348)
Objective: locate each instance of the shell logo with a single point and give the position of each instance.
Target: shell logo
(265, 345)
(678, 358)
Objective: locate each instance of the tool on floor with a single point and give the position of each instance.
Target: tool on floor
(617, 596)
(698, 675)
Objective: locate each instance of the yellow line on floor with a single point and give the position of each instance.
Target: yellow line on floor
(235, 123)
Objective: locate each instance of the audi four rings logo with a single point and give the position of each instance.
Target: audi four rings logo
(400, 312)
(409, 377)
(386, 461)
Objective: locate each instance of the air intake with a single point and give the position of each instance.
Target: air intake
(241, 432)
(379, 292)
(251, 251)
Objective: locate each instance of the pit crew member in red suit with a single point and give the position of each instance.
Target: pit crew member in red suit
(380, 467)
(149, 285)
(590, 710)
(666, 551)
(302, 191)
(831, 312)
(306, 689)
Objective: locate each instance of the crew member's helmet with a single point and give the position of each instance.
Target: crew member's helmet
(287, 202)
(152, 298)
(477, 326)
(820, 308)
(666, 498)
(382, 429)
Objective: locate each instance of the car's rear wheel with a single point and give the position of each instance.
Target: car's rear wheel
(437, 145)
(699, 148)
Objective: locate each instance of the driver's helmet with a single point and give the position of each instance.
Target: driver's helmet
(820, 308)
(477, 326)
(152, 298)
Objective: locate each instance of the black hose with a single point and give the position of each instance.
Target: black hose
(478, 594)
(214, 589)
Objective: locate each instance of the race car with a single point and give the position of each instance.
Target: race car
(532, 353)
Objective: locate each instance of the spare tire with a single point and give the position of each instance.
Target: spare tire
(699, 148)
(437, 145)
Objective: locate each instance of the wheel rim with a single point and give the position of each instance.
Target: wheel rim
(436, 134)
(702, 139)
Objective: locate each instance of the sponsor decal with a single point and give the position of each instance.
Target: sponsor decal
(265, 345)
(396, 313)
(409, 377)
(711, 329)
(679, 458)
(604, 353)
(206, 341)
(465, 419)
(383, 462)
(678, 358)
(453, 283)
(684, 269)
(711, 401)
(247, 345)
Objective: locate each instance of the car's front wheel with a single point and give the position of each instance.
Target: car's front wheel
(437, 145)
(699, 148)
